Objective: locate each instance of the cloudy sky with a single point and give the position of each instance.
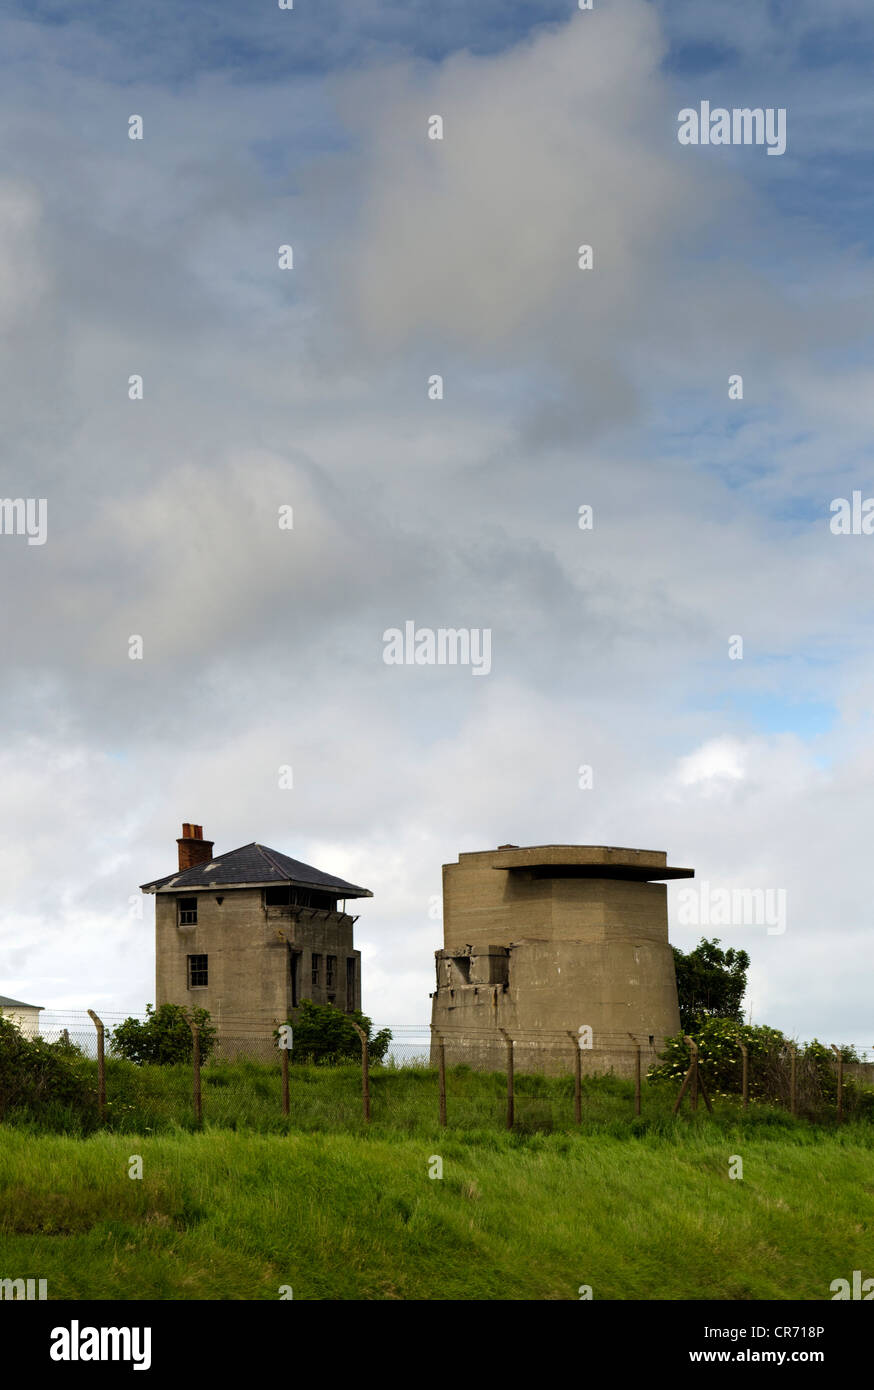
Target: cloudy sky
(308, 387)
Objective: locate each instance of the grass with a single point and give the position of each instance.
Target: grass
(247, 1095)
(637, 1207)
(221, 1215)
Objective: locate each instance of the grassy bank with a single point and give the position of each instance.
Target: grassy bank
(404, 1100)
(221, 1215)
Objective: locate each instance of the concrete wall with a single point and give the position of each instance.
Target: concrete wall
(482, 903)
(541, 956)
(249, 949)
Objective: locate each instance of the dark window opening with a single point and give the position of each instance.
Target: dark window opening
(330, 971)
(187, 912)
(462, 965)
(317, 970)
(198, 971)
(286, 896)
(293, 964)
(350, 983)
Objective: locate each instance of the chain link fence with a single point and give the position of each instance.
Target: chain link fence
(244, 1078)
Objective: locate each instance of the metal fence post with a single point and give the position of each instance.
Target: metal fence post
(692, 1077)
(636, 1076)
(578, 1078)
(198, 1099)
(745, 1085)
(285, 1105)
(840, 1056)
(511, 1097)
(441, 1073)
(793, 1080)
(365, 1072)
(101, 1064)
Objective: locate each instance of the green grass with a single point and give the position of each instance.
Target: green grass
(404, 1100)
(637, 1207)
(222, 1215)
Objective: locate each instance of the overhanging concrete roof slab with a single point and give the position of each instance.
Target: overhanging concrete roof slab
(589, 861)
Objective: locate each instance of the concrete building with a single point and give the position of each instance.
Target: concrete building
(250, 933)
(25, 1015)
(546, 941)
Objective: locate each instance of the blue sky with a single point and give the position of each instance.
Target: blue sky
(265, 127)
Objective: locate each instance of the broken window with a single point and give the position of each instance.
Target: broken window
(317, 970)
(330, 971)
(350, 983)
(187, 912)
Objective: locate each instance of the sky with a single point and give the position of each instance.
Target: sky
(307, 387)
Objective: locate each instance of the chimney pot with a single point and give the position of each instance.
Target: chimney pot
(193, 848)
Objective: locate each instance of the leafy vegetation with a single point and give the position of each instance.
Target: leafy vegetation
(769, 1055)
(164, 1038)
(324, 1034)
(711, 983)
(35, 1074)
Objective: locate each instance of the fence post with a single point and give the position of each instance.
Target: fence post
(283, 1045)
(101, 1064)
(511, 1099)
(745, 1085)
(365, 1072)
(840, 1056)
(793, 1080)
(441, 1072)
(636, 1076)
(692, 1076)
(578, 1078)
(198, 1100)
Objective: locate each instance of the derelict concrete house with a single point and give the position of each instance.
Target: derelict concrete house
(250, 933)
(540, 942)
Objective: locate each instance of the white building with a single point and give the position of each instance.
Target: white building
(25, 1015)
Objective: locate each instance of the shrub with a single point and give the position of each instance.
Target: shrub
(769, 1054)
(164, 1037)
(34, 1073)
(324, 1034)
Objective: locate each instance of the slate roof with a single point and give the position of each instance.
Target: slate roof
(255, 863)
(16, 1004)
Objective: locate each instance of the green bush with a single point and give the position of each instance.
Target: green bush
(164, 1037)
(769, 1053)
(36, 1074)
(324, 1034)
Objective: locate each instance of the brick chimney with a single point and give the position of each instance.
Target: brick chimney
(193, 848)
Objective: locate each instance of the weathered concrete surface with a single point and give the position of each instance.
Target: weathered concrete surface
(252, 950)
(543, 941)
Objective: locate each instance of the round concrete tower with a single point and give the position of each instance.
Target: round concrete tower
(553, 940)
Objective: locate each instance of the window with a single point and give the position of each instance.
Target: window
(187, 912)
(198, 974)
(350, 983)
(330, 971)
(317, 970)
(286, 896)
(293, 964)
